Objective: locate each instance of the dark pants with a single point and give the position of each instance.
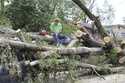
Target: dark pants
(61, 39)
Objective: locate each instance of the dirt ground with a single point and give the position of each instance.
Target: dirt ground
(116, 78)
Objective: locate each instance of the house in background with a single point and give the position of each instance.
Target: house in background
(117, 31)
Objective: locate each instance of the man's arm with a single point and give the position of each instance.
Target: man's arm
(60, 27)
(51, 27)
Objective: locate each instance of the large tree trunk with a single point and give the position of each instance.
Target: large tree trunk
(92, 17)
(79, 50)
(22, 45)
(72, 50)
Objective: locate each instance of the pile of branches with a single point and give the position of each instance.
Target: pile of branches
(25, 56)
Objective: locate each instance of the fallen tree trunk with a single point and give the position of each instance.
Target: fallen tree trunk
(79, 50)
(88, 41)
(22, 45)
(100, 69)
(73, 50)
(72, 43)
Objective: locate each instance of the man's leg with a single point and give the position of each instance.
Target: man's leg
(56, 38)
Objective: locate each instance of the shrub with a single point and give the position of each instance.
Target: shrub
(26, 14)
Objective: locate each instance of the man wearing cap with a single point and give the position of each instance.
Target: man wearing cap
(56, 26)
(56, 29)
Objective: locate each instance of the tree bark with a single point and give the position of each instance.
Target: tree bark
(72, 43)
(72, 50)
(89, 41)
(79, 50)
(22, 45)
(92, 17)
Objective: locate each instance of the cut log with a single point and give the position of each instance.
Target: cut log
(78, 50)
(122, 60)
(22, 45)
(46, 54)
(121, 56)
(88, 41)
(72, 43)
(73, 50)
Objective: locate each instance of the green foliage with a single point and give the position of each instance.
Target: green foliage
(7, 57)
(33, 15)
(96, 60)
(30, 15)
(108, 57)
(24, 37)
(113, 56)
(21, 13)
(53, 64)
(4, 20)
(68, 29)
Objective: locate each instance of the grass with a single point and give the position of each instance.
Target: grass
(68, 29)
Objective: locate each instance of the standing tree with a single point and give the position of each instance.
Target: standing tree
(2, 6)
(3, 19)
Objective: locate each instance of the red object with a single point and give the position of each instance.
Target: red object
(43, 33)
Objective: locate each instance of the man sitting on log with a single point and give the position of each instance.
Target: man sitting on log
(56, 29)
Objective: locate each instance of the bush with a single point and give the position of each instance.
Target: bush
(26, 14)
(4, 20)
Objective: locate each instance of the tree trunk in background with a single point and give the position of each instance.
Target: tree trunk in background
(92, 17)
(2, 6)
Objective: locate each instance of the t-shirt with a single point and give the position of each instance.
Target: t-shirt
(57, 28)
